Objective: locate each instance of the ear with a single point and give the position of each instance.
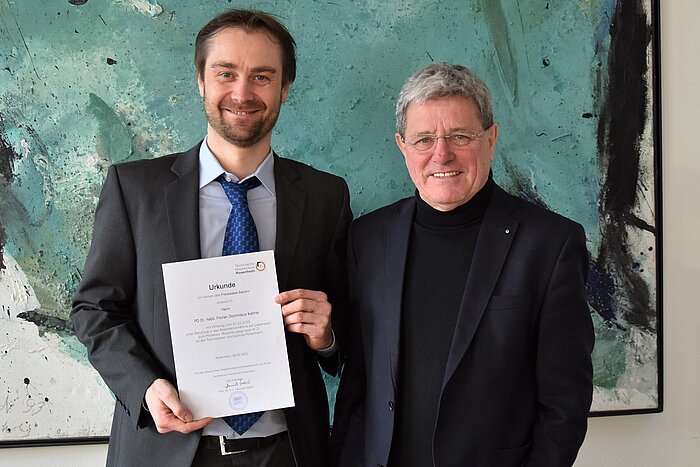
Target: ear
(401, 144)
(493, 138)
(285, 92)
(200, 84)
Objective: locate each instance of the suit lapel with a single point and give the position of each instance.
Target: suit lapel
(290, 213)
(397, 233)
(182, 206)
(492, 245)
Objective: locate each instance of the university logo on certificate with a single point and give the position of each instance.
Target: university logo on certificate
(228, 335)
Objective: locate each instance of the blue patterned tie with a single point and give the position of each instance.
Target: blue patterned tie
(241, 237)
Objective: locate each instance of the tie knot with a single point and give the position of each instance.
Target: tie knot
(237, 192)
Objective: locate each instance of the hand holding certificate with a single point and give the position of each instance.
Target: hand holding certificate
(227, 334)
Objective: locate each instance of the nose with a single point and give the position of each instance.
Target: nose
(442, 152)
(241, 91)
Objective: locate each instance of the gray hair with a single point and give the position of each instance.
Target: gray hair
(444, 80)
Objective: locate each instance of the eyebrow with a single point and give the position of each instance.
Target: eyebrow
(233, 66)
(449, 131)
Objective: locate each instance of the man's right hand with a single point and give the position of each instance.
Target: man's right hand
(169, 414)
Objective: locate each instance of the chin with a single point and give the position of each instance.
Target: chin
(449, 198)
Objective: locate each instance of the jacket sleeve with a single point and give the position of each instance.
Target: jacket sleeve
(104, 314)
(564, 370)
(335, 284)
(352, 388)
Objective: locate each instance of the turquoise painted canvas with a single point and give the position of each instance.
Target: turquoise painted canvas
(89, 83)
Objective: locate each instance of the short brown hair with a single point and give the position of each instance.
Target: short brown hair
(250, 20)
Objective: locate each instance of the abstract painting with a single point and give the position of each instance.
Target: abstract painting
(86, 83)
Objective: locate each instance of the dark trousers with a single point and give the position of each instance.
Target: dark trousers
(277, 454)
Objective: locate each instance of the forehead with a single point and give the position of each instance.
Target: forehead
(448, 112)
(242, 47)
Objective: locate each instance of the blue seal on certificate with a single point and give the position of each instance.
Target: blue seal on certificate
(238, 400)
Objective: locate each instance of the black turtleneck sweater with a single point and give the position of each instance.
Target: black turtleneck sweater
(439, 256)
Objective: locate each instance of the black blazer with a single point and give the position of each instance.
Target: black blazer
(518, 381)
(148, 214)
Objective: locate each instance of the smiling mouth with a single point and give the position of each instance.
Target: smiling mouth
(453, 173)
(241, 112)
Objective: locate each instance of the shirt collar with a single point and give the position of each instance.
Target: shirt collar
(209, 169)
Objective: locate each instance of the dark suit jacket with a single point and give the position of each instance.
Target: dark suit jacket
(517, 387)
(147, 216)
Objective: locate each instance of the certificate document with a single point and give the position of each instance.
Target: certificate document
(228, 335)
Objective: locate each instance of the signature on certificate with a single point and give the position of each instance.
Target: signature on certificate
(237, 383)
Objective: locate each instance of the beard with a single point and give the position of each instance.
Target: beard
(240, 135)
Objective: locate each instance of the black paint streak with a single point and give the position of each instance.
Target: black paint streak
(46, 322)
(429, 56)
(7, 158)
(545, 62)
(622, 122)
(587, 115)
(521, 186)
(600, 289)
(111, 61)
(77, 2)
(26, 381)
(103, 20)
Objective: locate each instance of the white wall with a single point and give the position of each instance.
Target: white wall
(670, 439)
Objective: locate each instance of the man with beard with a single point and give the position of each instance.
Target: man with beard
(177, 208)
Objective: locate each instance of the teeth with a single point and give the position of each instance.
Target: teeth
(446, 174)
(241, 112)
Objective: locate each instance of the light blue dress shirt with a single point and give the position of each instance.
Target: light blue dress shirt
(214, 209)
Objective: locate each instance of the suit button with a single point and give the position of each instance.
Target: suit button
(391, 406)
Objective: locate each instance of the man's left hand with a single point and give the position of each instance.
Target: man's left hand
(309, 313)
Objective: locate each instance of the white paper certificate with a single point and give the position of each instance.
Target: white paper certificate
(228, 335)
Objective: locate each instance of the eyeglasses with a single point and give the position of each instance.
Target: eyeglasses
(455, 140)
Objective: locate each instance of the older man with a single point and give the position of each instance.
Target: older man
(473, 336)
(229, 194)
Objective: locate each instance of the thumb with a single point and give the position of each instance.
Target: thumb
(177, 408)
(168, 396)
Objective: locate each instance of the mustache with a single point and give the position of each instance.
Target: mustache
(247, 106)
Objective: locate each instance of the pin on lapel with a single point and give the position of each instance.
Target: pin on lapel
(507, 231)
